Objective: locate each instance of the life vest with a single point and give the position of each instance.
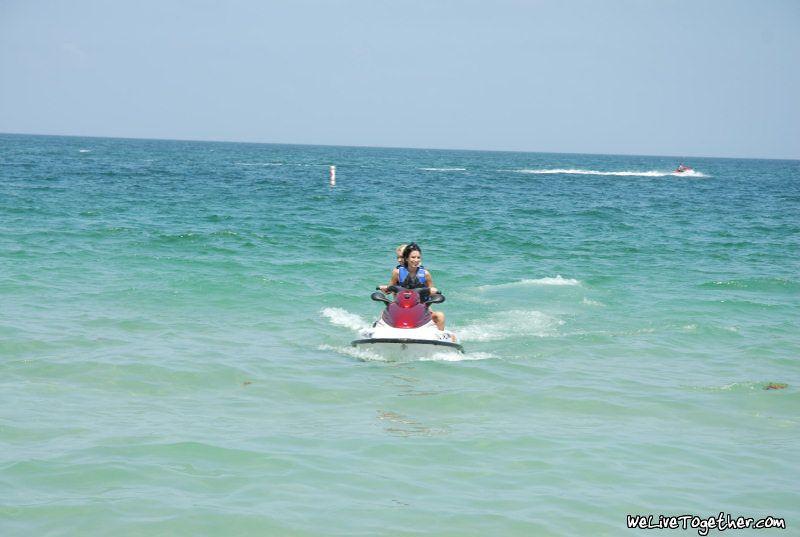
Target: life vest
(404, 279)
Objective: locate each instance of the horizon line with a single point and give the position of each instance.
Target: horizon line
(205, 140)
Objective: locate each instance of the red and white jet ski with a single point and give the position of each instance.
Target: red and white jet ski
(683, 169)
(405, 328)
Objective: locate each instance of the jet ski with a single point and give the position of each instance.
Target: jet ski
(683, 169)
(405, 328)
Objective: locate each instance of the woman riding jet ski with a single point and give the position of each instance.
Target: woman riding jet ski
(408, 323)
(406, 327)
(410, 273)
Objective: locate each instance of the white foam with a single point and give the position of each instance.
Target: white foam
(590, 302)
(690, 173)
(558, 280)
(344, 318)
(444, 169)
(453, 356)
(84, 150)
(355, 352)
(369, 355)
(506, 324)
(632, 173)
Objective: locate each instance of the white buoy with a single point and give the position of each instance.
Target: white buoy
(333, 175)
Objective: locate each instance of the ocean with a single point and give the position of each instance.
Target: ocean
(176, 318)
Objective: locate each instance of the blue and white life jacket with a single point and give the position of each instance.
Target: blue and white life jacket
(404, 279)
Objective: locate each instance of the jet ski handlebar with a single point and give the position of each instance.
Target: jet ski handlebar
(377, 296)
(424, 294)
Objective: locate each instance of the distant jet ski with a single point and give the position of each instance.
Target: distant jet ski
(405, 328)
(683, 169)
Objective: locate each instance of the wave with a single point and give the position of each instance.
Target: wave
(444, 169)
(558, 280)
(508, 324)
(755, 284)
(258, 163)
(344, 318)
(571, 171)
(84, 150)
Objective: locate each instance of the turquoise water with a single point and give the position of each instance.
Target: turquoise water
(175, 320)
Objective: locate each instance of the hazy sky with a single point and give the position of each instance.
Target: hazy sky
(682, 77)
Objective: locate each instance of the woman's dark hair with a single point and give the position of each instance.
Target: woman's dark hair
(407, 252)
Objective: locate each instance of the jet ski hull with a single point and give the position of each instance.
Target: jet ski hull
(405, 331)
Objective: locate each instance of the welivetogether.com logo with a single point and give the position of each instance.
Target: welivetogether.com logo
(721, 522)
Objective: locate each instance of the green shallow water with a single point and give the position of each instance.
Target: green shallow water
(176, 319)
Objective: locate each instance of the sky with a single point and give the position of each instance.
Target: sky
(651, 77)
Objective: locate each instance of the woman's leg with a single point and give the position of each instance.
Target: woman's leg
(438, 318)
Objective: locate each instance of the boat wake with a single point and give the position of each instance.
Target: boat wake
(451, 356)
(344, 318)
(444, 169)
(573, 171)
(510, 324)
(367, 355)
(689, 173)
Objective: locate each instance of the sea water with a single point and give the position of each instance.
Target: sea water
(176, 318)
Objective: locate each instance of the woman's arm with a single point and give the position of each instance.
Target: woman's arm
(433, 289)
(392, 281)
